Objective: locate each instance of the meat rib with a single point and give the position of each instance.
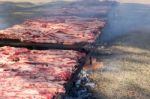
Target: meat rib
(57, 31)
(35, 74)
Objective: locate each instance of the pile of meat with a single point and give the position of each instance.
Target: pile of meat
(42, 74)
(35, 74)
(68, 31)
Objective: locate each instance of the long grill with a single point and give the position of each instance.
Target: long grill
(49, 66)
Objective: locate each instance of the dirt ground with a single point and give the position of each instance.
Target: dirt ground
(126, 71)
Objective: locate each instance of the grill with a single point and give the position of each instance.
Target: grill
(86, 47)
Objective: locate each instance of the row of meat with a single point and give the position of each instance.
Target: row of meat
(35, 74)
(70, 31)
(42, 74)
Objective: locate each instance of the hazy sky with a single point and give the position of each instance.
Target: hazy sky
(44, 1)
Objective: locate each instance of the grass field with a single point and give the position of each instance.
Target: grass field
(126, 71)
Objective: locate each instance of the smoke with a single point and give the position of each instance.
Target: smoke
(125, 18)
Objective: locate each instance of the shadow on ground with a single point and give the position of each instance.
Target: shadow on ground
(126, 71)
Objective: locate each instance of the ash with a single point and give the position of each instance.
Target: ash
(82, 87)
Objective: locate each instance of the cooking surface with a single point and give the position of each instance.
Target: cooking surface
(68, 31)
(30, 69)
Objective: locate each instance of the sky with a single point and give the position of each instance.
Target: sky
(45, 1)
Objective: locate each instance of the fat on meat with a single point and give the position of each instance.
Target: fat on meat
(35, 74)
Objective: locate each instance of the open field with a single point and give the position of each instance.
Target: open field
(126, 70)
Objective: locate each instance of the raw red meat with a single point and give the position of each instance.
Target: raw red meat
(35, 74)
(68, 31)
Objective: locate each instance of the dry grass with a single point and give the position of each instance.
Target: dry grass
(126, 73)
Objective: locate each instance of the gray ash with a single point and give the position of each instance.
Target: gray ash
(81, 88)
